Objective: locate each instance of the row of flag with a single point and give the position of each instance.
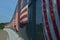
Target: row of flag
(24, 15)
(21, 16)
(24, 12)
(51, 18)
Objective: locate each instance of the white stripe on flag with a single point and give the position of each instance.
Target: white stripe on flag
(24, 8)
(23, 20)
(56, 14)
(46, 21)
(50, 21)
(45, 30)
(25, 13)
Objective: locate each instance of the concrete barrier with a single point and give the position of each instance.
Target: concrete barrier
(12, 34)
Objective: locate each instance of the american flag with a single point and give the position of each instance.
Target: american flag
(15, 19)
(24, 12)
(51, 19)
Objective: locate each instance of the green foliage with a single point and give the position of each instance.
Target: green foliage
(2, 25)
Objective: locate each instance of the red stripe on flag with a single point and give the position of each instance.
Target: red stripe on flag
(25, 22)
(46, 20)
(53, 20)
(58, 5)
(25, 16)
(26, 9)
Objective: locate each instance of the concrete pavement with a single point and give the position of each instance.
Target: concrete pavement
(3, 35)
(9, 34)
(12, 34)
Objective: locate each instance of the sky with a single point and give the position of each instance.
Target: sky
(7, 8)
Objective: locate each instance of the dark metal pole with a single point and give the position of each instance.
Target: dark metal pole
(32, 19)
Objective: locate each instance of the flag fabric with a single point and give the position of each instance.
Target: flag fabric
(14, 21)
(24, 12)
(16, 18)
(58, 5)
(24, 15)
(51, 16)
(24, 3)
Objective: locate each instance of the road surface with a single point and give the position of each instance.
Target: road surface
(9, 34)
(3, 35)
